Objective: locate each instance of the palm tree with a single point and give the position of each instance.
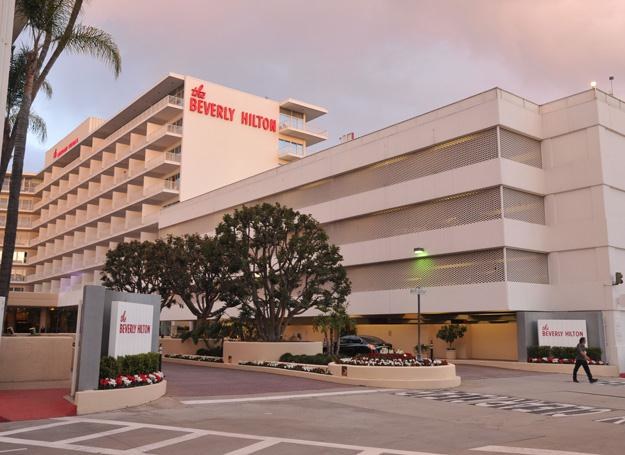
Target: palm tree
(52, 28)
(15, 93)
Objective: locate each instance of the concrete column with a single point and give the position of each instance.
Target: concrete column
(7, 13)
(44, 318)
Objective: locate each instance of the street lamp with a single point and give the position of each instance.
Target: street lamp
(418, 251)
(419, 291)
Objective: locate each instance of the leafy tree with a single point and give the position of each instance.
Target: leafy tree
(197, 274)
(333, 324)
(280, 265)
(51, 28)
(140, 267)
(450, 333)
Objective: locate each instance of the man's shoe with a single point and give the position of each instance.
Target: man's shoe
(593, 380)
(575, 380)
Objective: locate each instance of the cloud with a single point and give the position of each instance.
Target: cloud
(370, 62)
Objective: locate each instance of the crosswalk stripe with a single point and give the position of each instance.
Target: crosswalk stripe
(527, 451)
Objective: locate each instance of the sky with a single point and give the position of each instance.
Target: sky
(371, 63)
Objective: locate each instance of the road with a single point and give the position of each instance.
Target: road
(235, 413)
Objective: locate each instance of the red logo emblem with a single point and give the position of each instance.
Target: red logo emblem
(123, 317)
(546, 327)
(198, 92)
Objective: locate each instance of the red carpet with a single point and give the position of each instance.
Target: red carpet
(34, 404)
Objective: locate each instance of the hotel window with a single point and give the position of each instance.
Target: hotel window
(291, 119)
(18, 256)
(291, 148)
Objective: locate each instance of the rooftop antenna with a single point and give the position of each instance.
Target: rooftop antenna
(611, 85)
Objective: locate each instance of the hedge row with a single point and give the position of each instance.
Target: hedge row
(317, 359)
(111, 367)
(560, 352)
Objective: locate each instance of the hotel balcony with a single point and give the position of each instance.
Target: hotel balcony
(162, 111)
(290, 151)
(297, 128)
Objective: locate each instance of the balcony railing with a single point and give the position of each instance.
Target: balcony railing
(292, 149)
(165, 129)
(115, 136)
(21, 222)
(16, 277)
(299, 124)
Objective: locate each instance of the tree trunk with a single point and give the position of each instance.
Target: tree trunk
(10, 229)
(5, 157)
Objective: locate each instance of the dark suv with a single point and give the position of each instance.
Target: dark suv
(361, 344)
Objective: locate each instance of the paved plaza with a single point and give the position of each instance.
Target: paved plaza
(216, 411)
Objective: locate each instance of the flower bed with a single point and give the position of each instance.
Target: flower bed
(389, 360)
(200, 358)
(286, 366)
(561, 361)
(127, 381)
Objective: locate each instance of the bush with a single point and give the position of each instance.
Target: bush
(450, 333)
(594, 353)
(217, 351)
(560, 352)
(317, 359)
(538, 351)
(111, 367)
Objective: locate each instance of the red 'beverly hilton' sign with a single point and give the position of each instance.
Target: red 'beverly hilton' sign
(199, 104)
(59, 152)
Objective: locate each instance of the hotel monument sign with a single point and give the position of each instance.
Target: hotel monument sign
(131, 328)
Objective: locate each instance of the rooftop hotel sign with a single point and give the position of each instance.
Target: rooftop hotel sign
(199, 104)
(130, 329)
(560, 332)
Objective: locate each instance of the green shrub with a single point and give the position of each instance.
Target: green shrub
(108, 367)
(450, 333)
(129, 365)
(217, 351)
(538, 351)
(317, 359)
(594, 353)
(560, 352)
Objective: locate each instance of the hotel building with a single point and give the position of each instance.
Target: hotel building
(519, 207)
(107, 181)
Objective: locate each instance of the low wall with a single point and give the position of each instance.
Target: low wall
(241, 351)
(90, 401)
(176, 346)
(596, 370)
(443, 376)
(36, 358)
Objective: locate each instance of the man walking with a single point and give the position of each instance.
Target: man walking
(581, 360)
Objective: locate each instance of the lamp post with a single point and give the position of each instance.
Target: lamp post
(419, 291)
(418, 251)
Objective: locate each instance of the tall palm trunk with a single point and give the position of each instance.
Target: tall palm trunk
(10, 229)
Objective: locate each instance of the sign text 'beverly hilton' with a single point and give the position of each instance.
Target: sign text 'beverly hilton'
(197, 103)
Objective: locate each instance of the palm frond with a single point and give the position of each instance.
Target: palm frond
(37, 126)
(93, 41)
(47, 88)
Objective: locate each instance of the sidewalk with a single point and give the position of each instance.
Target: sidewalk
(34, 404)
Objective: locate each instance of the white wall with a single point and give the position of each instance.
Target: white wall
(215, 151)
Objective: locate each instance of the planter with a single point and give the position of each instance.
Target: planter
(450, 354)
(398, 377)
(90, 401)
(245, 351)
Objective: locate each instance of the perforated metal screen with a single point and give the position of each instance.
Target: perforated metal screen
(448, 270)
(527, 266)
(453, 154)
(520, 148)
(523, 206)
(442, 213)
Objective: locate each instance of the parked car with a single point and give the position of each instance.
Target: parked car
(361, 344)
